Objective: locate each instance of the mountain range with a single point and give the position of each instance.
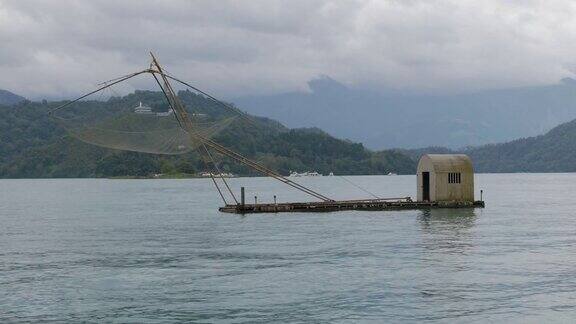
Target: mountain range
(34, 146)
(391, 119)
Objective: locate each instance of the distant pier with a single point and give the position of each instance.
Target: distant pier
(443, 181)
(331, 206)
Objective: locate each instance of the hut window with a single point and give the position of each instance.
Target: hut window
(454, 177)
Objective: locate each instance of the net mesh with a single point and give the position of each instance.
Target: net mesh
(140, 128)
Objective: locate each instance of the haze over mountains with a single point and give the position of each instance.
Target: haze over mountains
(395, 120)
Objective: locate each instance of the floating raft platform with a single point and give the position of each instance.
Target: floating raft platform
(331, 206)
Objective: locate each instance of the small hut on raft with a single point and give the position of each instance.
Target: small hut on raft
(445, 178)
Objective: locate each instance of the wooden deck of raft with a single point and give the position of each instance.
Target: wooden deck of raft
(331, 206)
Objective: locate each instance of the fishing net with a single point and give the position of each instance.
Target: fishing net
(149, 127)
(158, 123)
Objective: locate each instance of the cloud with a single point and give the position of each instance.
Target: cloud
(232, 48)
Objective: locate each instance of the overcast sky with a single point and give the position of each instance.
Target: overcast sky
(58, 48)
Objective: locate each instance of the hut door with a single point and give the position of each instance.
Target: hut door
(426, 186)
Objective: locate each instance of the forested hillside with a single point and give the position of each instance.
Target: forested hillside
(9, 98)
(33, 145)
(554, 151)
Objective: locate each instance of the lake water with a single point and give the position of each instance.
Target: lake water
(159, 251)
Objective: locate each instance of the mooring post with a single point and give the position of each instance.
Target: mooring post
(242, 197)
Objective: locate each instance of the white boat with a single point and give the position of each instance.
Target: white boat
(217, 175)
(391, 174)
(305, 174)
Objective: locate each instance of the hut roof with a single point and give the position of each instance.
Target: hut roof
(447, 162)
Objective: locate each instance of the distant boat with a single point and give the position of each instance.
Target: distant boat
(305, 174)
(217, 175)
(391, 174)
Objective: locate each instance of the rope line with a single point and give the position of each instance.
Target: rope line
(357, 186)
(122, 79)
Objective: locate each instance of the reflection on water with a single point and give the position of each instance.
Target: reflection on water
(454, 219)
(447, 230)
